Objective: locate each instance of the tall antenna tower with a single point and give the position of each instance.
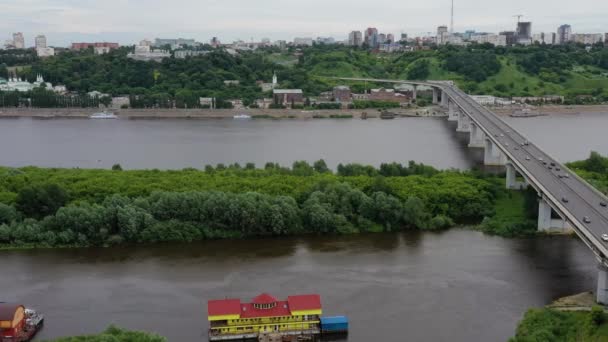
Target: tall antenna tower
(452, 20)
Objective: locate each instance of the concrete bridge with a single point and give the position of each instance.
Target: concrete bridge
(566, 201)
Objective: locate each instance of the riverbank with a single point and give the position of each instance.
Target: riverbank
(571, 318)
(84, 113)
(175, 113)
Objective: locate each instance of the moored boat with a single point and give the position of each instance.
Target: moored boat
(386, 115)
(242, 116)
(103, 115)
(268, 319)
(19, 324)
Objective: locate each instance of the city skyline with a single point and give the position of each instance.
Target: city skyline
(67, 21)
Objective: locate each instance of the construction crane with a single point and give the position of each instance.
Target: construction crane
(518, 17)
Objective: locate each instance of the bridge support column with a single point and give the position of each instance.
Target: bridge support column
(435, 96)
(477, 137)
(601, 293)
(546, 223)
(415, 93)
(544, 216)
(464, 123)
(492, 155)
(452, 111)
(512, 182)
(444, 99)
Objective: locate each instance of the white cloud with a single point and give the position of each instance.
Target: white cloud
(128, 20)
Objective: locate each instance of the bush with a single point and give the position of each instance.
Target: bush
(7, 213)
(38, 201)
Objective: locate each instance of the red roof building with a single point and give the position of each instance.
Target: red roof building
(263, 314)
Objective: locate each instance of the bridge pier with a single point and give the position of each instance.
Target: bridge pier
(546, 223)
(601, 293)
(452, 111)
(435, 96)
(464, 123)
(444, 99)
(477, 137)
(493, 155)
(415, 93)
(511, 181)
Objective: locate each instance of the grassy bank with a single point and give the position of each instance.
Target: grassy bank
(552, 325)
(114, 334)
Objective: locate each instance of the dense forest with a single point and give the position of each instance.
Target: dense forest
(73, 207)
(568, 70)
(88, 207)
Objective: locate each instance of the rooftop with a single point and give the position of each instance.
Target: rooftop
(287, 91)
(224, 307)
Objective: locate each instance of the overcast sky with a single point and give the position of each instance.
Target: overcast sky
(128, 21)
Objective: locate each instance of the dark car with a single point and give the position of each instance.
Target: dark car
(586, 219)
(603, 204)
(565, 200)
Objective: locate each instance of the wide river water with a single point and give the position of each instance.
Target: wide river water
(175, 144)
(458, 285)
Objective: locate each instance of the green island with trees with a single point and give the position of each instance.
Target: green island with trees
(50, 207)
(115, 334)
(577, 72)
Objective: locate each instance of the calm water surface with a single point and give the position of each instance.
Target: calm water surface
(457, 286)
(454, 286)
(175, 144)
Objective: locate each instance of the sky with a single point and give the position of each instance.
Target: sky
(128, 21)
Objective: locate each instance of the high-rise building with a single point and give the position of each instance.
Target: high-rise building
(355, 38)
(371, 37)
(40, 42)
(587, 38)
(510, 36)
(442, 35)
(523, 32)
(381, 38)
(563, 34)
(544, 38)
(404, 37)
(390, 38)
(18, 40)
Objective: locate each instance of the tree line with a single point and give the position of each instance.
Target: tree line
(60, 207)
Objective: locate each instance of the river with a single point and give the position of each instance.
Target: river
(457, 285)
(175, 144)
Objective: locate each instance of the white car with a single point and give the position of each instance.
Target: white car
(605, 237)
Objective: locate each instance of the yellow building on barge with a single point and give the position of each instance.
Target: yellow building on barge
(229, 319)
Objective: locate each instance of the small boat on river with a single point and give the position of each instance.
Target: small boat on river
(242, 117)
(103, 115)
(18, 323)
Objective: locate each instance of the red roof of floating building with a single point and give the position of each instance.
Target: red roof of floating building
(264, 305)
(224, 307)
(264, 298)
(304, 302)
